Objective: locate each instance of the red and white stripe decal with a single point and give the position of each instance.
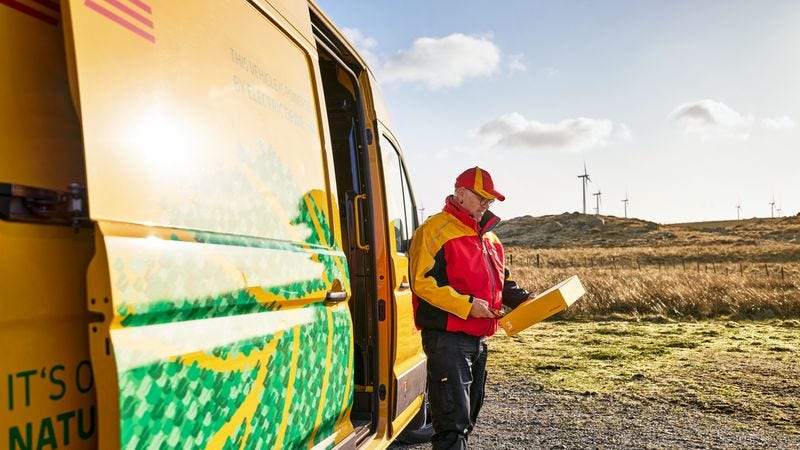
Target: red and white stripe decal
(145, 7)
(47, 11)
(133, 15)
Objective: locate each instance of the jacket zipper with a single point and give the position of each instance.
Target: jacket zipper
(488, 268)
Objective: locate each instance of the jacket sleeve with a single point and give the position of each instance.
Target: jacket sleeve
(513, 295)
(429, 275)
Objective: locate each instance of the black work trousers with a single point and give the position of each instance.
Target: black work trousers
(456, 382)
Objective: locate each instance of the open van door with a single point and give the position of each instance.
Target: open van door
(409, 366)
(218, 270)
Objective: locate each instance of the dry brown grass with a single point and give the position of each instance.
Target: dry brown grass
(750, 255)
(738, 282)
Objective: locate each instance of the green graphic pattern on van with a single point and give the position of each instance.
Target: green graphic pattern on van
(224, 341)
(185, 402)
(149, 285)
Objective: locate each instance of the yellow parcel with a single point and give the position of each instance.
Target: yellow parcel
(544, 305)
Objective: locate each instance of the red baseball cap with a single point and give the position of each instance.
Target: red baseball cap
(479, 181)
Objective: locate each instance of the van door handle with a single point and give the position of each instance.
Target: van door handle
(405, 285)
(358, 221)
(335, 296)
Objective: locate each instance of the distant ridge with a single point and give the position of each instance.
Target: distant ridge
(579, 230)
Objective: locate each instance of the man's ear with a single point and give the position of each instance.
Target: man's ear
(459, 195)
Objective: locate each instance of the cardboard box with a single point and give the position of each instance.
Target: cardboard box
(544, 305)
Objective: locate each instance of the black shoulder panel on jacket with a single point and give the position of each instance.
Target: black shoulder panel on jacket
(439, 269)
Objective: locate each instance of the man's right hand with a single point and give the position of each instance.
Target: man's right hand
(480, 308)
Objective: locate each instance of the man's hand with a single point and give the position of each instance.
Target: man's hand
(480, 308)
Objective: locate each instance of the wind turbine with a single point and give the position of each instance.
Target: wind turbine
(597, 199)
(422, 212)
(738, 209)
(626, 205)
(772, 208)
(584, 179)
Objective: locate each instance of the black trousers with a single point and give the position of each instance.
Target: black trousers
(456, 382)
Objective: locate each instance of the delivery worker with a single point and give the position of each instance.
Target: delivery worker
(460, 285)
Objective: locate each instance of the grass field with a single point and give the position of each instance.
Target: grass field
(746, 371)
(670, 283)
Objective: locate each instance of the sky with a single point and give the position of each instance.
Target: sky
(689, 108)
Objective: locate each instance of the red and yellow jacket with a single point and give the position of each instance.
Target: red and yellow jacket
(455, 259)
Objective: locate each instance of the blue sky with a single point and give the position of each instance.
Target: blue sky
(689, 107)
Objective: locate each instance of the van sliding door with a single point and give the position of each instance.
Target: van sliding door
(409, 365)
(217, 273)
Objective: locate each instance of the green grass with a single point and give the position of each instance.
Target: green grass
(746, 370)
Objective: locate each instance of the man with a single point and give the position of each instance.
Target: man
(460, 284)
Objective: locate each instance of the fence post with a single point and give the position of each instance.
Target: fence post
(741, 270)
(698, 266)
(713, 268)
(782, 273)
(537, 261)
(510, 259)
(766, 270)
(683, 261)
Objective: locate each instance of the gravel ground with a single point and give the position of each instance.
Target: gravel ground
(515, 416)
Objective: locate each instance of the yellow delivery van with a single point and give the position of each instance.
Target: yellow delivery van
(204, 226)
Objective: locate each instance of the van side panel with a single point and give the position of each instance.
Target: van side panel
(46, 386)
(208, 181)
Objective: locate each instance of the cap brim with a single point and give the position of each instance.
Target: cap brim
(491, 194)
(496, 194)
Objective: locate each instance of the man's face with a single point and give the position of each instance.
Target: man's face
(475, 204)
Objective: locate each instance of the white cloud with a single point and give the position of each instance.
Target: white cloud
(363, 44)
(443, 62)
(515, 131)
(515, 64)
(436, 63)
(779, 123)
(708, 118)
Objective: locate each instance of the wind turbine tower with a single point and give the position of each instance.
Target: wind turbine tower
(597, 200)
(772, 208)
(625, 202)
(738, 210)
(584, 179)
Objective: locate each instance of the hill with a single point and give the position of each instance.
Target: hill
(578, 230)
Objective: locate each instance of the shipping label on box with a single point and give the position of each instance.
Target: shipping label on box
(544, 305)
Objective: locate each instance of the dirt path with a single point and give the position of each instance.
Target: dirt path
(517, 418)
